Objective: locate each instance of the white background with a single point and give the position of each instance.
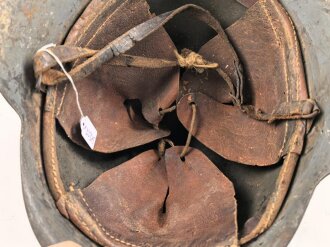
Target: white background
(15, 230)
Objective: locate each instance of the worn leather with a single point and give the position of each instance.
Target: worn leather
(265, 41)
(164, 199)
(102, 95)
(149, 201)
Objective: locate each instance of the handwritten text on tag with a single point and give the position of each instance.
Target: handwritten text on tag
(88, 131)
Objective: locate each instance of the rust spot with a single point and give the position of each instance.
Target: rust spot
(29, 11)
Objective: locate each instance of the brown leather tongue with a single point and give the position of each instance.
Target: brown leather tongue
(201, 203)
(264, 41)
(122, 102)
(230, 133)
(131, 201)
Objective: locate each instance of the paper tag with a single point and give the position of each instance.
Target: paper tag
(88, 131)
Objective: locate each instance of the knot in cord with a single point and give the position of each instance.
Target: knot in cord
(189, 59)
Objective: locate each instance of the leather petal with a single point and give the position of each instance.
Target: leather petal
(122, 102)
(131, 201)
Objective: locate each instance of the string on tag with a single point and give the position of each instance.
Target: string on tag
(46, 49)
(88, 130)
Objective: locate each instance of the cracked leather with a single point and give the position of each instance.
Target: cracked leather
(164, 205)
(266, 43)
(121, 124)
(165, 201)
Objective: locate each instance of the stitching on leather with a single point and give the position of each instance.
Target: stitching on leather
(277, 192)
(92, 20)
(297, 84)
(270, 19)
(101, 226)
(286, 135)
(263, 5)
(75, 212)
(296, 48)
(53, 155)
(103, 24)
(288, 159)
(81, 194)
(272, 207)
(75, 43)
(298, 88)
(293, 139)
(62, 100)
(297, 56)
